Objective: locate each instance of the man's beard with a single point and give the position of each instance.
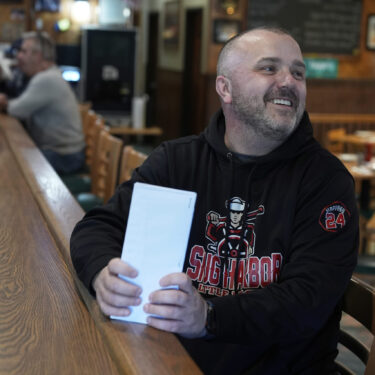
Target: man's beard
(253, 113)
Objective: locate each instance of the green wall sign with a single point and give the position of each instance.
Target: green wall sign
(321, 68)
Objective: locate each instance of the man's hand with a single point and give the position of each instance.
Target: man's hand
(183, 310)
(114, 294)
(3, 102)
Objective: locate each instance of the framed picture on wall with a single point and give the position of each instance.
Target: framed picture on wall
(370, 38)
(171, 30)
(227, 7)
(225, 29)
(47, 5)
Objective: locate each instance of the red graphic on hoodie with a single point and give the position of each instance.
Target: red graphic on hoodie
(334, 217)
(233, 236)
(227, 265)
(205, 268)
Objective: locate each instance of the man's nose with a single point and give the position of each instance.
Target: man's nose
(285, 78)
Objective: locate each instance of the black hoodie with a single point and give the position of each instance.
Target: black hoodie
(273, 245)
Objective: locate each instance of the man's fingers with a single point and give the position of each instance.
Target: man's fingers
(114, 284)
(178, 278)
(169, 297)
(164, 324)
(181, 311)
(165, 311)
(115, 294)
(108, 309)
(118, 300)
(117, 266)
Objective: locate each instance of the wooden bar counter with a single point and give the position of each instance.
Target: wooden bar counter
(49, 324)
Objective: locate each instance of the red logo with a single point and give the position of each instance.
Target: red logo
(334, 217)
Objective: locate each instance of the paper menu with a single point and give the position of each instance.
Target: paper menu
(156, 237)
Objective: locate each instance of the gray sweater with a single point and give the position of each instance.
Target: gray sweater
(51, 112)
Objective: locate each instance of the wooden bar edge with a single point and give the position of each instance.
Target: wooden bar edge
(134, 348)
(124, 130)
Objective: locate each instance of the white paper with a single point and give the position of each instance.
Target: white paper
(156, 237)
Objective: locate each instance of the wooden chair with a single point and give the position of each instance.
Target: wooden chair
(84, 110)
(130, 160)
(94, 124)
(359, 303)
(351, 122)
(104, 171)
(334, 141)
(80, 182)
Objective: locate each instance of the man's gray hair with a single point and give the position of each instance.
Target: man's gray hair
(221, 67)
(42, 43)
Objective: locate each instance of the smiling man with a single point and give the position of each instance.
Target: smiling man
(274, 237)
(263, 92)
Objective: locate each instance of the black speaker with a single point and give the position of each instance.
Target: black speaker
(108, 58)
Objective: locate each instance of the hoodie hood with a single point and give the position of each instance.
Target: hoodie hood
(300, 140)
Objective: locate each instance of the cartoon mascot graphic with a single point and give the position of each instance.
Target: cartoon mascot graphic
(233, 236)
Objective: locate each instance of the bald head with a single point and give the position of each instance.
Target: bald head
(261, 84)
(234, 46)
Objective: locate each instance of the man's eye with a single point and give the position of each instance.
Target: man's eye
(299, 74)
(268, 69)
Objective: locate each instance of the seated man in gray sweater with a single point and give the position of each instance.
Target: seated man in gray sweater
(48, 105)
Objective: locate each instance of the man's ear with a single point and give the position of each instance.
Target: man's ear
(224, 89)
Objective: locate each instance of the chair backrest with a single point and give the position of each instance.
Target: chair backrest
(83, 111)
(130, 160)
(105, 165)
(359, 303)
(334, 141)
(351, 122)
(94, 125)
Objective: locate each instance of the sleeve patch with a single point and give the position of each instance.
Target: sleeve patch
(334, 217)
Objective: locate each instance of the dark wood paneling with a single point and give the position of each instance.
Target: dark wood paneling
(341, 96)
(170, 104)
(151, 67)
(324, 122)
(213, 102)
(217, 13)
(169, 101)
(194, 89)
